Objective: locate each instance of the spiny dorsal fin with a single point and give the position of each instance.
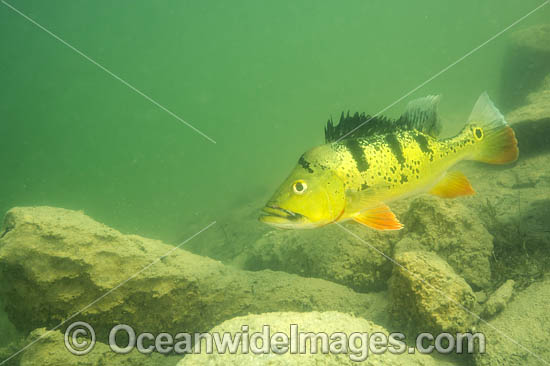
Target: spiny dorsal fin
(421, 115)
(347, 123)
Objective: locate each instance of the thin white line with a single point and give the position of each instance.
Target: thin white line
(444, 295)
(111, 73)
(446, 68)
(107, 293)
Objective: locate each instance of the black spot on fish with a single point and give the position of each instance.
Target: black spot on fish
(478, 133)
(395, 147)
(404, 178)
(357, 154)
(364, 186)
(305, 164)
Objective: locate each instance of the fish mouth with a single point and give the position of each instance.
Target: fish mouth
(276, 213)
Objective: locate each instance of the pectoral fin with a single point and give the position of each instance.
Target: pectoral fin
(380, 218)
(453, 185)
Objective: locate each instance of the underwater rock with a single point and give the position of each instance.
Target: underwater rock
(535, 108)
(498, 300)
(513, 204)
(454, 232)
(50, 350)
(329, 253)
(316, 322)
(9, 355)
(232, 237)
(531, 122)
(481, 296)
(8, 332)
(525, 321)
(428, 295)
(54, 262)
(526, 63)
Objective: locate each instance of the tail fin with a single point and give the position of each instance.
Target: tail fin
(495, 141)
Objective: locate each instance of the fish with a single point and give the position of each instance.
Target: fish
(368, 162)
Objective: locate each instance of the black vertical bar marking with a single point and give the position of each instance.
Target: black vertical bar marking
(357, 154)
(395, 147)
(422, 141)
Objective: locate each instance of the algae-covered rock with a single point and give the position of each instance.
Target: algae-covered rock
(50, 350)
(498, 300)
(428, 295)
(233, 236)
(454, 232)
(531, 122)
(329, 253)
(536, 107)
(8, 333)
(315, 322)
(55, 262)
(10, 354)
(526, 64)
(526, 320)
(514, 207)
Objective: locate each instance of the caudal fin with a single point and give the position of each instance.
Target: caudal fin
(494, 140)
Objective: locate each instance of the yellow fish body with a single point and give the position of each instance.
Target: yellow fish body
(368, 162)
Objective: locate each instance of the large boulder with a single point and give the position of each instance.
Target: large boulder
(519, 334)
(536, 106)
(232, 238)
(526, 63)
(8, 333)
(512, 203)
(50, 350)
(428, 296)
(329, 253)
(328, 323)
(531, 121)
(454, 232)
(54, 263)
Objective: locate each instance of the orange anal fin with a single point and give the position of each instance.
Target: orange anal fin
(454, 184)
(380, 218)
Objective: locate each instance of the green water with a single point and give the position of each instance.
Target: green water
(260, 78)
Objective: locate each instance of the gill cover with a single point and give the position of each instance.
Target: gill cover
(306, 199)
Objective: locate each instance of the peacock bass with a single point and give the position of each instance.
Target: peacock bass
(368, 162)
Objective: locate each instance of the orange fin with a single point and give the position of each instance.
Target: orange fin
(380, 218)
(453, 185)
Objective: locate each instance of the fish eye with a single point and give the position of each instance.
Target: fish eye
(299, 187)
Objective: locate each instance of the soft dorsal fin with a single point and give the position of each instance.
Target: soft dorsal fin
(421, 115)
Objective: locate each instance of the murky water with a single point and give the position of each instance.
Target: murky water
(257, 82)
